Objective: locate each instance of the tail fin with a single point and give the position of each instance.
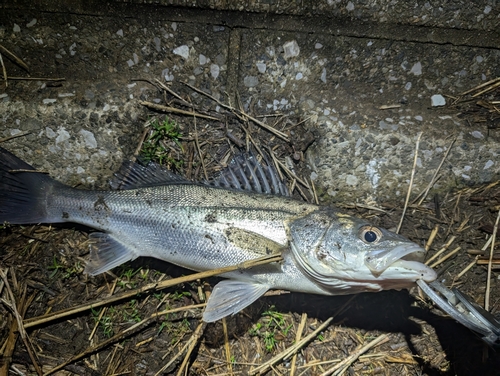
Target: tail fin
(23, 191)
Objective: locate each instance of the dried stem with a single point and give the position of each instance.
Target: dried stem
(488, 280)
(36, 321)
(411, 183)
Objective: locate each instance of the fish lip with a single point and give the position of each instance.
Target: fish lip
(410, 255)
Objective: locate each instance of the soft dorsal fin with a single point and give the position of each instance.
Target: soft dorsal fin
(246, 173)
(135, 175)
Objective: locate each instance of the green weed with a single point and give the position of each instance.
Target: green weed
(155, 147)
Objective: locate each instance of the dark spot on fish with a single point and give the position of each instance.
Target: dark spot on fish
(211, 218)
(173, 225)
(149, 203)
(209, 238)
(65, 215)
(100, 204)
(321, 255)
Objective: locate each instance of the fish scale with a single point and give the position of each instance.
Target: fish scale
(240, 216)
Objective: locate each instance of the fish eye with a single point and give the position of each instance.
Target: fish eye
(370, 234)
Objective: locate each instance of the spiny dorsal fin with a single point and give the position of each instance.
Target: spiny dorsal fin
(246, 173)
(135, 175)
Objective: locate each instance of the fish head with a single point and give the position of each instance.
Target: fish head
(341, 252)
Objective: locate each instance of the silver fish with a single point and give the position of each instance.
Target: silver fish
(244, 214)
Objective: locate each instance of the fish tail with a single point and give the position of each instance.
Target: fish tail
(23, 191)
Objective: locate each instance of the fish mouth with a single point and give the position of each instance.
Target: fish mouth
(405, 259)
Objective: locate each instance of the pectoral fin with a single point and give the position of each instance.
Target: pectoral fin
(229, 297)
(106, 253)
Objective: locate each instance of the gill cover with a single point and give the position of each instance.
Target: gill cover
(312, 239)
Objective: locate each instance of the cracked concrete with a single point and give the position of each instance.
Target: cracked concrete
(333, 63)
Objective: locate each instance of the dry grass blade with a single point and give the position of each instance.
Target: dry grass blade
(484, 84)
(444, 258)
(441, 251)
(192, 344)
(291, 350)
(174, 110)
(488, 280)
(489, 88)
(14, 136)
(242, 115)
(4, 70)
(432, 236)
(118, 337)
(227, 347)
(298, 336)
(434, 178)
(411, 183)
(56, 79)
(36, 321)
(19, 319)
(14, 57)
(346, 363)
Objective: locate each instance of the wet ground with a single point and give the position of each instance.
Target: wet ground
(308, 93)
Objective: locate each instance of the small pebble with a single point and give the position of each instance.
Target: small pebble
(437, 100)
(182, 51)
(120, 33)
(261, 67)
(416, 69)
(214, 71)
(488, 164)
(31, 23)
(291, 48)
(250, 81)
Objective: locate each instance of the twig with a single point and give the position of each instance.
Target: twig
(14, 136)
(198, 149)
(174, 110)
(227, 348)
(411, 183)
(346, 363)
(389, 106)
(35, 78)
(488, 280)
(4, 71)
(434, 177)
(242, 115)
(20, 326)
(443, 249)
(291, 350)
(15, 58)
(466, 269)
(432, 236)
(489, 88)
(166, 88)
(443, 259)
(298, 345)
(103, 311)
(118, 337)
(35, 321)
(192, 344)
(298, 335)
(487, 83)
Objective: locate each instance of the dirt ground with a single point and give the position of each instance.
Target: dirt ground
(159, 331)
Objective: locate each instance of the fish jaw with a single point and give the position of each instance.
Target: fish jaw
(405, 259)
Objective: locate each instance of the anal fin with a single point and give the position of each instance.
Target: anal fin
(106, 253)
(230, 296)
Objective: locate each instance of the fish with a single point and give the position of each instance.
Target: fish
(244, 213)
